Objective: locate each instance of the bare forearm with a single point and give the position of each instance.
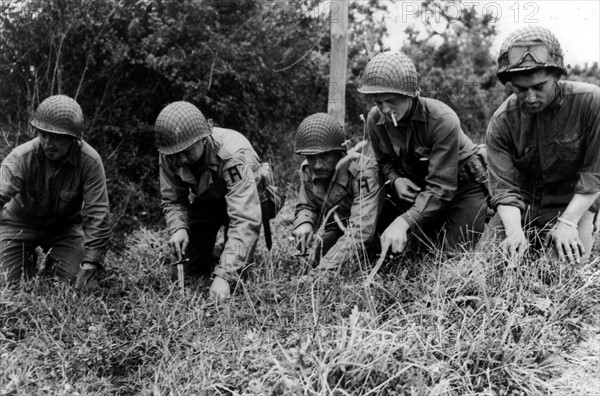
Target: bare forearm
(579, 204)
(510, 216)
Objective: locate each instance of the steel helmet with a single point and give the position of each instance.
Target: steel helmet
(390, 72)
(319, 133)
(178, 126)
(59, 114)
(528, 48)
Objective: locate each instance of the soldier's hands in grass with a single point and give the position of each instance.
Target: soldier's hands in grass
(566, 242)
(220, 289)
(515, 245)
(179, 242)
(87, 277)
(303, 235)
(395, 236)
(406, 189)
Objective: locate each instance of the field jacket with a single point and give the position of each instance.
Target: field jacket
(537, 162)
(36, 193)
(430, 149)
(230, 164)
(353, 192)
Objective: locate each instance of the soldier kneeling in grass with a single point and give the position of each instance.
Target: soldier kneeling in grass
(209, 178)
(437, 195)
(339, 198)
(47, 186)
(543, 144)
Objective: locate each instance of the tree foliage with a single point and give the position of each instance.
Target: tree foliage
(257, 67)
(452, 55)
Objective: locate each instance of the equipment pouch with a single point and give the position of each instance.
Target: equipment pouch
(476, 166)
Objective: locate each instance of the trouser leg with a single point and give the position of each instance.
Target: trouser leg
(586, 230)
(325, 243)
(462, 222)
(465, 219)
(17, 246)
(206, 219)
(65, 251)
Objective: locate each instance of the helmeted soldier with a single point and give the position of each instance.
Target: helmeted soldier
(208, 179)
(339, 196)
(542, 145)
(47, 186)
(434, 169)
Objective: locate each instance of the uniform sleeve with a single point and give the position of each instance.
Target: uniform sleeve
(96, 210)
(502, 170)
(385, 160)
(11, 179)
(363, 216)
(589, 176)
(241, 174)
(442, 173)
(306, 210)
(174, 200)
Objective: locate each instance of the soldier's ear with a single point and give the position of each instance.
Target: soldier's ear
(211, 123)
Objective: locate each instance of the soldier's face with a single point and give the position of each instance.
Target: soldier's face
(391, 103)
(535, 91)
(189, 156)
(55, 146)
(323, 165)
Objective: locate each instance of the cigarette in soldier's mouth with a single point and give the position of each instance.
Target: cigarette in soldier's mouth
(394, 120)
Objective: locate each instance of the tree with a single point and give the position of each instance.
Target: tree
(257, 67)
(454, 63)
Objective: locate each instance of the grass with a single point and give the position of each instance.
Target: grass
(432, 325)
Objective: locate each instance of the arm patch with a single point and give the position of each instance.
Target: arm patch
(234, 174)
(366, 184)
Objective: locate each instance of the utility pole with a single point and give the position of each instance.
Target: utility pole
(338, 17)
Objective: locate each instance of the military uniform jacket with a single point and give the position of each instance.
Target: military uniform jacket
(537, 162)
(36, 193)
(229, 168)
(354, 193)
(430, 150)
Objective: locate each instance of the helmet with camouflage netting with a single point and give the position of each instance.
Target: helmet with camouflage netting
(390, 72)
(529, 48)
(319, 133)
(59, 114)
(178, 126)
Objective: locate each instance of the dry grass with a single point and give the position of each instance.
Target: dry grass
(433, 325)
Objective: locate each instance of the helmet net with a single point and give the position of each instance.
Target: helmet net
(59, 114)
(319, 133)
(390, 72)
(530, 35)
(178, 126)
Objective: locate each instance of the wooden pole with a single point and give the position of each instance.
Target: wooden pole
(338, 17)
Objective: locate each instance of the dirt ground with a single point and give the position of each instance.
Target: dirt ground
(580, 369)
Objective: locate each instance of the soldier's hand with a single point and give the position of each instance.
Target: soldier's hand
(303, 235)
(406, 189)
(396, 235)
(566, 242)
(515, 245)
(179, 242)
(220, 289)
(87, 277)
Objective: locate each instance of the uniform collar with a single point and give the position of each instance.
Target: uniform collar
(554, 105)
(340, 176)
(417, 113)
(72, 156)
(210, 158)
(558, 100)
